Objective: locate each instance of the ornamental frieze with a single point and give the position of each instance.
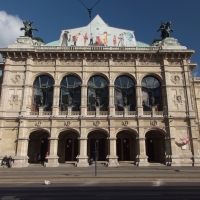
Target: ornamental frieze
(71, 63)
(44, 62)
(149, 63)
(175, 63)
(18, 62)
(124, 63)
(97, 62)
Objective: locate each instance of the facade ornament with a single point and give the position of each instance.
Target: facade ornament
(96, 123)
(97, 62)
(38, 123)
(175, 79)
(16, 78)
(43, 62)
(153, 122)
(14, 98)
(125, 123)
(179, 99)
(67, 123)
(165, 29)
(74, 62)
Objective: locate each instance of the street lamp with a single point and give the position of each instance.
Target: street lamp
(95, 151)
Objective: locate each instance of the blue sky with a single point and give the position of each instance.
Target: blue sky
(142, 16)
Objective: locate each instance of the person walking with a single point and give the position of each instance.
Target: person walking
(4, 161)
(10, 161)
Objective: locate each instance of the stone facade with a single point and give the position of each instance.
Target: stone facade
(127, 136)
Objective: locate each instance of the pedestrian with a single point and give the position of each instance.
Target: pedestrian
(46, 158)
(91, 161)
(4, 161)
(10, 161)
(39, 157)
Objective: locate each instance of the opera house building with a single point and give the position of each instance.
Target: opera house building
(98, 90)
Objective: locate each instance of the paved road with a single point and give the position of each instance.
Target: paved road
(103, 191)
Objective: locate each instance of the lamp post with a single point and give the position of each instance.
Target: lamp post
(95, 151)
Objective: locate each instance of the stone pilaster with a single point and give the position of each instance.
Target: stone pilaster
(82, 158)
(83, 100)
(53, 157)
(111, 100)
(139, 107)
(112, 157)
(56, 97)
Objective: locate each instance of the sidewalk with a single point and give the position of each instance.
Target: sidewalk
(104, 174)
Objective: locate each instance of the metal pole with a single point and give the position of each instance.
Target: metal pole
(95, 158)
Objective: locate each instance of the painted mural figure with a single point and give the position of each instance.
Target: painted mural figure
(91, 39)
(98, 41)
(75, 38)
(65, 38)
(114, 40)
(121, 40)
(105, 37)
(85, 38)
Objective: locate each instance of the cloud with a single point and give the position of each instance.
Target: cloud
(10, 28)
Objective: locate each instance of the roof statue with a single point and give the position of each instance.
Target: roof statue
(165, 29)
(28, 28)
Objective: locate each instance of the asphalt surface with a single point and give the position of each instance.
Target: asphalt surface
(101, 191)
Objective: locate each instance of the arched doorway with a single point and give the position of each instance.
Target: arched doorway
(155, 146)
(68, 146)
(38, 144)
(98, 140)
(126, 146)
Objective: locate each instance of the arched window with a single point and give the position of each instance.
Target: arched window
(151, 93)
(43, 93)
(97, 93)
(70, 93)
(124, 93)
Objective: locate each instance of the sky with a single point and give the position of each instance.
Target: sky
(142, 16)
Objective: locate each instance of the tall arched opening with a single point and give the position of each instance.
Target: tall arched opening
(97, 93)
(70, 93)
(151, 94)
(124, 94)
(155, 146)
(38, 144)
(126, 146)
(68, 146)
(98, 140)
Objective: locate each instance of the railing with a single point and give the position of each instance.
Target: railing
(81, 48)
(147, 113)
(158, 113)
(63, 113)
(103, 112)
(119, 112)
(46, 113)
(91, 112)
(75, 113)
(131, 112)
(34, 113)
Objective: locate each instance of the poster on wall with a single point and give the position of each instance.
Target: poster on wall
(97, 33)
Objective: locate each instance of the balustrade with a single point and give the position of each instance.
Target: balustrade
(63, 113)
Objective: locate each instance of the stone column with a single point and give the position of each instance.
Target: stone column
(111, 100)
(97, 111)
(139, 107)
(83, 100)
(112, 157)
(56, 97)
(82, 158)
(21, 158)
(4, 91)
(26, 97)
(53, 148)
(143, 159)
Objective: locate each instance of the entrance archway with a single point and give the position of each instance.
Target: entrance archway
(155, 146)
(38, 144)
(99, 139)
(68, 146)
(126, 146)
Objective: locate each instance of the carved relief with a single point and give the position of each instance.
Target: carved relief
(67, 123)
(96, 123)
(153, 123)
(122, 63)
(38, 123)
(18, 62)
(149, 63)
(44, 62)
(67, 62)
(175, 78)
(179, 99)
(175, 63)
(97, 62)
(14, 98)
(125, 123)
(16, 78)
